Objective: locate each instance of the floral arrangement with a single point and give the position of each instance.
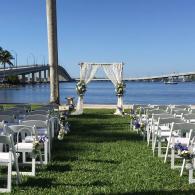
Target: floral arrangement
(139, 110)
(139, 125)
(186, 153)
(131, 112)
(136, 124)
(183, 151)
(81, 88)
(142, 126)
(61, 133)
(64, 129)
(42, 138)
(133, 117)
(120, 89)
(36, 147)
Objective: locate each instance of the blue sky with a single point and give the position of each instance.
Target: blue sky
(151, 37)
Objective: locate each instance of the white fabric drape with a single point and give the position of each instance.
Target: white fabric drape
(87, 72)
(114, 73)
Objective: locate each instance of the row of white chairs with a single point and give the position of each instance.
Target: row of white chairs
(20, 137)
(168, 128)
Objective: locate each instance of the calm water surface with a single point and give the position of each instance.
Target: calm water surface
(102, 92)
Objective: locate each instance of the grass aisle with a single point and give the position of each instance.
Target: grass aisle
(101, 156)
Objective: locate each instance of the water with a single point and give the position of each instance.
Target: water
(102, 92)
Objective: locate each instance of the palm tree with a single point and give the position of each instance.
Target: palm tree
(5, 58)
(53, 50)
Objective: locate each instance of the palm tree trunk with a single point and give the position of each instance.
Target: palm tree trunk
(53, 50)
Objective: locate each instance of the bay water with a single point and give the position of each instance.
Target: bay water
(102, 92)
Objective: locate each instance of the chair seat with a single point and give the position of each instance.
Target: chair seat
(42, 131)
(182, 140)
(4, 157)
(165, 133)
(164, 128)
(24, 147)
(29, 139)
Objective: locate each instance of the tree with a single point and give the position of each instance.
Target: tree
(5, 58)
(53, 51)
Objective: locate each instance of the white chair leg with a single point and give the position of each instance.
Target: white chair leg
(191, 180)
(9, 177)
(45, 152)
(159, 147)
(172, 158)
(182, 167)
(24, 157)
(18, 180)
(148, 136)
(154, 144)
(167, 151)
(49, 150)
(40, 156)
(33, 166)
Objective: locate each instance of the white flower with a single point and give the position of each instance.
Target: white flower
(60, 137)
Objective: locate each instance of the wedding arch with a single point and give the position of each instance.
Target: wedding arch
(114, 72)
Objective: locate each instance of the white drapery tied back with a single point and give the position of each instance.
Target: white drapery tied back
(114, 71)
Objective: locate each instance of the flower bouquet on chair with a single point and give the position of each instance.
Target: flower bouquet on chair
(187, 153)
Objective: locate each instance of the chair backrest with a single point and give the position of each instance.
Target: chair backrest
(22, 130)
(6, 112)
(179, 112)
(37, 123)
(189, 116)
(7, 118)
(192, 110)
(8, 140)
(183, 127)
(46, 108)
(164, 115)
(156, 111)
(26, 107)
(37, 117)
(44, 112)
(184, 107)
(169, 120)
(18, 110)
(163, 107)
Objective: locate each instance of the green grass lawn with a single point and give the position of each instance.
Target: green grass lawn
(102, 156)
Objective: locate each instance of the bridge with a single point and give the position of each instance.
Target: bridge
(34, 73)
(187, 76)
(184, 76)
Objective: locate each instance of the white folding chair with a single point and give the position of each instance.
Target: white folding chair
(180, 133)
(179, 113)
(43, 129)
(7, 118)
(152, 125)
(8, 159)
(189, 118)
(24, 147)
(162, 131)
(184, 107)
